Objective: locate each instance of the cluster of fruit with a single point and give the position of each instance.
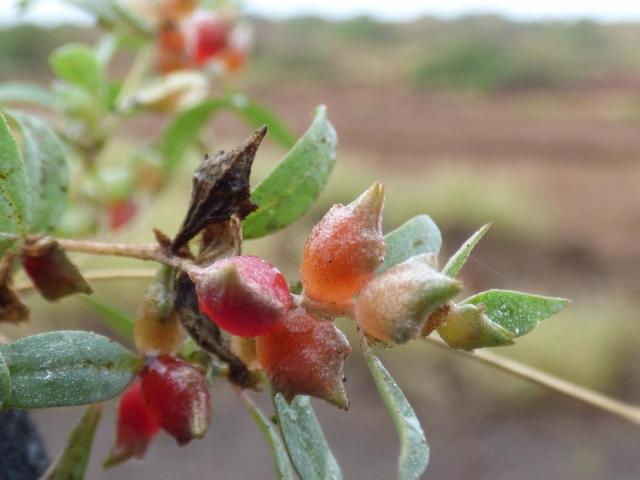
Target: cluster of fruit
(191, 38)
(292, 338)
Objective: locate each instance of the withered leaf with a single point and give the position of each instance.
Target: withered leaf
(220, 240)
(206, 334)
(220, 189)
(51, 271)
(12, 310)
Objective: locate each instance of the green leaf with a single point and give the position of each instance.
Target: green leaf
(77, 63)
(295, 183)
(184, 130)
(305, 442)
(516, 311)
(414, 451)
(72, 464)
(47, 172)
(13, 185)
(64, 368)
(278, 450)
(119, 321)
(466, 327)
(18, 92)
(5, 383)
(186, 127)
(417, 236)
(458, 259)
(258, 115)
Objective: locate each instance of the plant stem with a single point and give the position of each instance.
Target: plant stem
(627, 411)
(146, 251)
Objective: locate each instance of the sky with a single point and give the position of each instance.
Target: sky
(55, 11)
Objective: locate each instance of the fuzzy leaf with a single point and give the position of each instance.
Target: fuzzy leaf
(13, 186)
(18, 92)
(119, 321)
(458, 259)
(516, 311)
(5, 383)
(414, 451)
(72, 463)
(47, 172)
(308, 449)
(64, 368)
(77, 64)
(278, 450)
(417, 236)
(292, 187)
(186, 126)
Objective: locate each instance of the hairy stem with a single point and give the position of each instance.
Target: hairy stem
(628, 412)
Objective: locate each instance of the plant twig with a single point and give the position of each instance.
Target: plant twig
(144, 251)
(627, 411)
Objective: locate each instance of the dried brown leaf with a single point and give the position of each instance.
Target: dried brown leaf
(220, 189)
(51, 271)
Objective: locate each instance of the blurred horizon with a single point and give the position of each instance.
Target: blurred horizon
(56, 12)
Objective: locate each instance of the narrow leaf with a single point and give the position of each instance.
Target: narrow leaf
(414, 451)
(119, 321)
(458, 259)
(17, 92)
(5, 383)
(77, 63)
(295, 183)
(257, 115)
(183, 132)
(186, 127)
(305, 442)
(516, 311)
(13, 186)
(417, 236)
(64, 368)
(72, 463)
(47, 172)
(278, 450)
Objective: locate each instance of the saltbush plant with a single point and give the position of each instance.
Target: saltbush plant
(211, 312)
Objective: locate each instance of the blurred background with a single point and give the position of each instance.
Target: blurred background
(518, 113)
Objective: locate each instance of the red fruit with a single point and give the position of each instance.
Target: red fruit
(211, 35)
(137, 426)
(344, 249)
(305, 356)
(243, 295)
(120, 213)
(176, 392)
